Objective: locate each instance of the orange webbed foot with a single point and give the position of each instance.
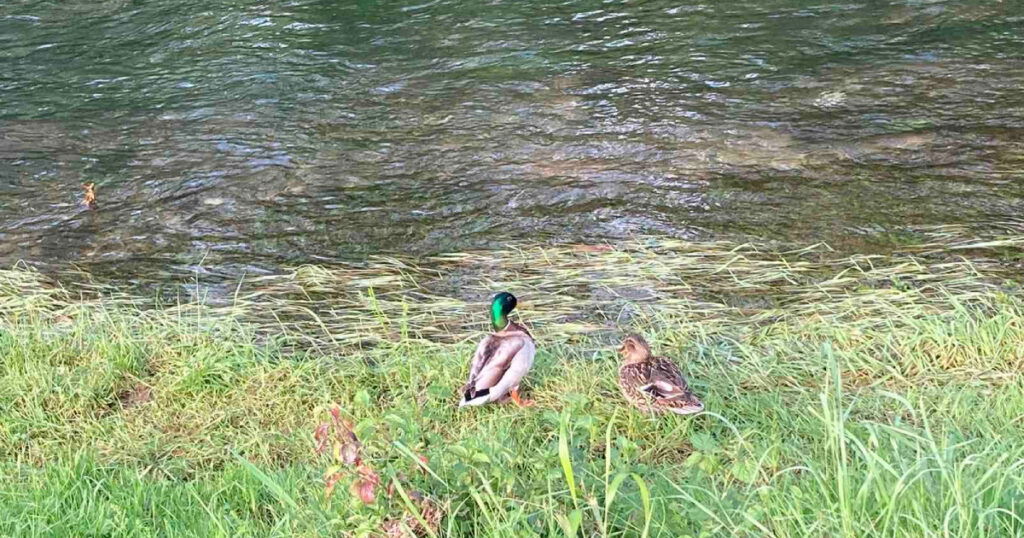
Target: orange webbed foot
(519, 401)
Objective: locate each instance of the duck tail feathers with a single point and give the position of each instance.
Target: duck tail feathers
(471, 397)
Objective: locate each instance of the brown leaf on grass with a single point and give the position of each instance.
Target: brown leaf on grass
(431, 513)
(135, 396)
(393, 529)
(368, 473)
(408, 526)
(330, 482)
(336, 416)
(321, 438)
(349, 447)
(349, 453)
(346, 446)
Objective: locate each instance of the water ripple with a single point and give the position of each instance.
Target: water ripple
(245, 136)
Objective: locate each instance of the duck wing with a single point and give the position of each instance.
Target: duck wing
(498, 365)
(484, 352)
(668, 387)
(665, 380)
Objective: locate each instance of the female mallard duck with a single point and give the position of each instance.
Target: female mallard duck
(654, 384)
(501, 360)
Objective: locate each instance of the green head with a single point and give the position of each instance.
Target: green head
(501, 306)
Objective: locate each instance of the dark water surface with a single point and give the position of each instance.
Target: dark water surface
(242, 136)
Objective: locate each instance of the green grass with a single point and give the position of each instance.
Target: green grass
(852, 408)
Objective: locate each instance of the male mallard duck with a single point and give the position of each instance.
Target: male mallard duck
(501, 360)
(654, 384)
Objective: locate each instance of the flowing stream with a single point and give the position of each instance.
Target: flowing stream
(240, 137)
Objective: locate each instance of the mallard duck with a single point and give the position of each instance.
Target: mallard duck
(654, 384)
(501, 360)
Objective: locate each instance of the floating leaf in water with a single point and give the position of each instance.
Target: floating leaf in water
(89, 196)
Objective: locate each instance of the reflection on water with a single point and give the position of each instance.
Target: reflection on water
(238, 136)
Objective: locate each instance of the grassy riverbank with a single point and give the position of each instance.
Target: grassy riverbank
(869, 396)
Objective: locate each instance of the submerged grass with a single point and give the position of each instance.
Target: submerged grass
(864, 396)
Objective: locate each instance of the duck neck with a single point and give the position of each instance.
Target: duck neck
(499, 318)
(637, 354)
(637, 358)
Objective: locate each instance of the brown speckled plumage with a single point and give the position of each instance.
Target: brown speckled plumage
(654, 384)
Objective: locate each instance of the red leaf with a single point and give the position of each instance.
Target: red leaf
(368, 474)
(364, 489)
(320, 436)
(347, 447)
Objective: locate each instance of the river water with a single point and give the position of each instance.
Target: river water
(235, 137)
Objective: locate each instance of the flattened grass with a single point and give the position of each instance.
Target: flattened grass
(867, 396)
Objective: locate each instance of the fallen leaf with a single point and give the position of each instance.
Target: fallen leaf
(320, 436)
(364, 490)
(135, 396)
(89, 197)
(331, 481)
(349, 453)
